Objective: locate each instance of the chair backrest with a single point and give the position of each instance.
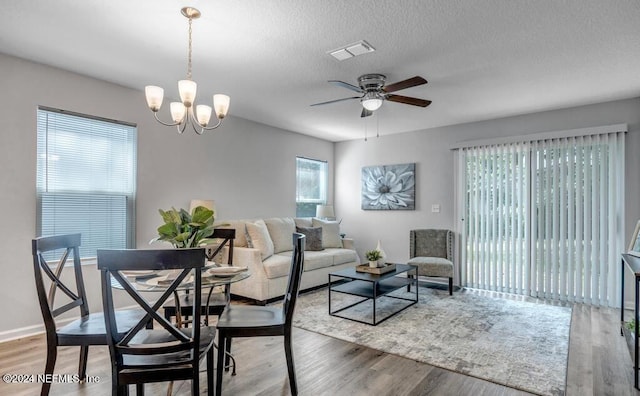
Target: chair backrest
(431, 243)
(295, 275)
(227, 235)
(188, 262)
(68, 244)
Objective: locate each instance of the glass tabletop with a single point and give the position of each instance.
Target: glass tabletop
(158, 281)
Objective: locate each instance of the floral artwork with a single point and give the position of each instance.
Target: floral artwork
(389, 187)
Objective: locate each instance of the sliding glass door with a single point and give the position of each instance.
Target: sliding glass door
(544, 218)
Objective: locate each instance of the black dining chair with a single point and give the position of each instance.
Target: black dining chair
(261, 321)
(165, 353)
(89, 329)
(215, 301)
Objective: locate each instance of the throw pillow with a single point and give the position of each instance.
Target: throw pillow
(330, 233)
(258, 235)
(313, 240)
(280, 231)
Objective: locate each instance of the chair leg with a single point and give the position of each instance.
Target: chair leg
(451, 286)
(82, 368)
(288, 351)
(52, 354)
(210, 358)
(222, 342)
(227, 356)
(195, 381)
(139, 390)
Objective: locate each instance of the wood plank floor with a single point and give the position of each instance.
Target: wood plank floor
(599, 364)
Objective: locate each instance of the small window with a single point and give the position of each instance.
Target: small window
(86, 170)
(311, 186)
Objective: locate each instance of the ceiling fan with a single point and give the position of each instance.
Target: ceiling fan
(374, 92)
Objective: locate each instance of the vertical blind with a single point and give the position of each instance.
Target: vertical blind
(86, 171)
(545, 218)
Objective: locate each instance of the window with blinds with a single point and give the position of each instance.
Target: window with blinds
(86, 169)
(311, 186)
(545, 217)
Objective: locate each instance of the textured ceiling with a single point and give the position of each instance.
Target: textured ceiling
(483, 59)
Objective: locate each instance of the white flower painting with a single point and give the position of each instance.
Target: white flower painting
(389, 187)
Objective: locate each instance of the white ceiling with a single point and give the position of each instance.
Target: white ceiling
(483, 59)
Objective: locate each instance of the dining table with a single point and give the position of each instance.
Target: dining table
(213, 276)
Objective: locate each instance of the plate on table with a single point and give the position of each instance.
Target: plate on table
(225, 272)
(160, 281)
(141, 274)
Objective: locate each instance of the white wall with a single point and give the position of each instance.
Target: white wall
(430, 150)
(248, 168)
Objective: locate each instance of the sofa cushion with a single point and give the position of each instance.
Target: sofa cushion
(280, 231)
(277, 265)
(313, 240)
(330, 233)
(433, 266)
(343, 256)
(312, 260)
(258, 237)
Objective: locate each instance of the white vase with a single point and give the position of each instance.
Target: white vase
(383, 256)
(373, 264)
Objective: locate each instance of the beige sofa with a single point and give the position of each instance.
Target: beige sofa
(264, 245)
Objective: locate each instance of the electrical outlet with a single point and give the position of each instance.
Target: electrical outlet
(435, 208)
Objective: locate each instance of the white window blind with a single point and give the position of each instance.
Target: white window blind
(311, 185)
(545, 218)
(86, 171)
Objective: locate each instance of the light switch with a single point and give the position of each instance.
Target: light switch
(435, 208)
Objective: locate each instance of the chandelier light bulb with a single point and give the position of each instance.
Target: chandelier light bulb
(203, 114)
(221, 104)
(187, 90)
(178, 111)
(154, 97)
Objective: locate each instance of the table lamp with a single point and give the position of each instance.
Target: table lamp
(325, 212)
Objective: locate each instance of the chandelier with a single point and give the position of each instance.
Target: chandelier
(183, 112)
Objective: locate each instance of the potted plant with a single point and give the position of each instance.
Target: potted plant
(373, 256)
(186, 230)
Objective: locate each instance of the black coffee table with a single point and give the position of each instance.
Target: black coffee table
(371, 287)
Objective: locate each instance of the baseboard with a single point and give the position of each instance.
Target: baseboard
(28, 331)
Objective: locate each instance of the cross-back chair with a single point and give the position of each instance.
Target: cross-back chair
(89, 328)
(165, 353)
(215, 302)
(261, 321)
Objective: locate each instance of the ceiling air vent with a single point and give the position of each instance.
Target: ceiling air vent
(351, 50)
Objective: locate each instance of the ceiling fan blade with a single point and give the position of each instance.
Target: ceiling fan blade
(408, 100)
(335, 100)
(408, 83)
(365, 113)
(346, 85)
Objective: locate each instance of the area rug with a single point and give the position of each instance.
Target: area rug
(503, 339)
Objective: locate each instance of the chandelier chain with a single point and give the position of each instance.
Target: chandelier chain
(190, 50)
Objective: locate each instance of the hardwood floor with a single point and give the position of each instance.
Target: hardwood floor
(599, 364)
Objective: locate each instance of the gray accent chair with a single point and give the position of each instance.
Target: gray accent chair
(432, 252)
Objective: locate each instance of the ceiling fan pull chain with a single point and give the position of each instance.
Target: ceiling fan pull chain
(365, 129)
(377, 125)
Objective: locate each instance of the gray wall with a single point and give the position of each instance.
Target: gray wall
(247, 168)
(430, 150)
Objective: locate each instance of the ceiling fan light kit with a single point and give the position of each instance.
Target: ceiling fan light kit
(182, 113)
(374, 92)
